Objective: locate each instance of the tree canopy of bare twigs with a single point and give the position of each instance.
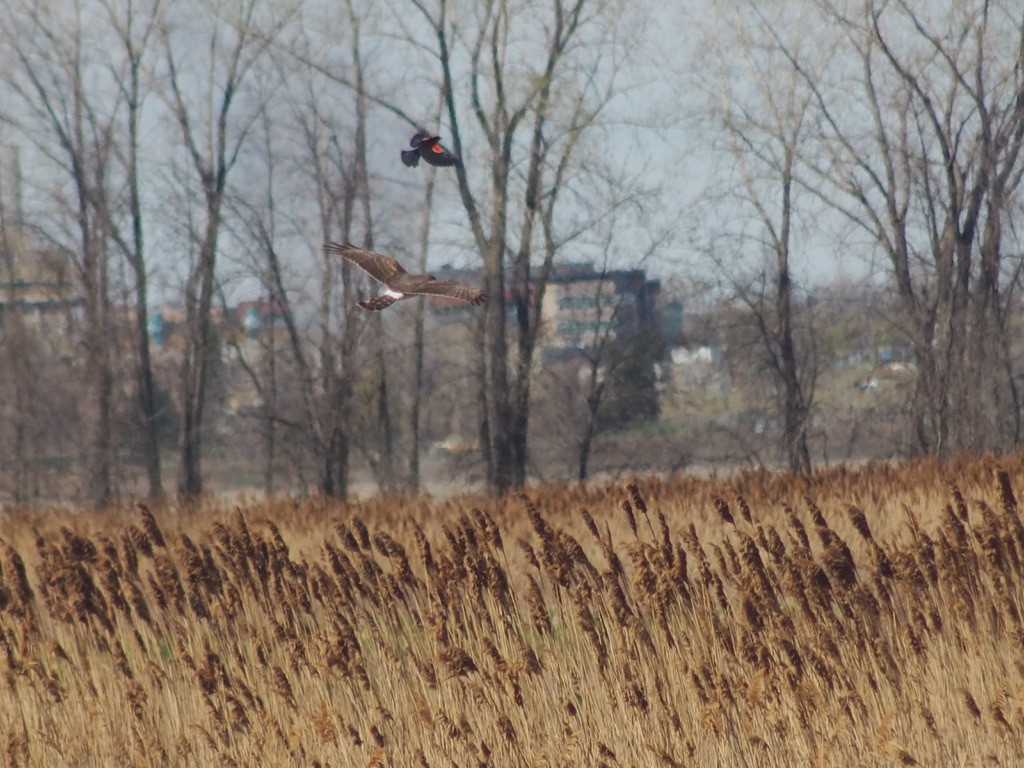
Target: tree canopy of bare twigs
(919, 124)
(523, 88)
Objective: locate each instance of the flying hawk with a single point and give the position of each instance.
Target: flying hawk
(400, 284)
(429, 148)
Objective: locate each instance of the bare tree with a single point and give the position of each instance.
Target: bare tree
(598, 328)
(60, 83)
(606, 379)
(759, 110)
(16, 347)
(37, 300)
(531, 124)
(325, 172)
(135, 35)
(415, 421)
(214, 126)
(382, 455)
(321, 358)
(925, 159)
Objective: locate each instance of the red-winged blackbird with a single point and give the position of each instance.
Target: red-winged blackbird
(429, 148)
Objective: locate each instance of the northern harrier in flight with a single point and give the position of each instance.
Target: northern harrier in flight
(400, 284)
(429, 148)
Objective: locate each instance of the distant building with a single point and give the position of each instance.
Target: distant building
(34, 285)
(245, 321)
(33, 278)
(155, 328)
(35, 281)
(166, 328)
(253, 317)
(669, 316)
(583, 307)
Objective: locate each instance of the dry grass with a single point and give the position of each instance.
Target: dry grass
(859, 618)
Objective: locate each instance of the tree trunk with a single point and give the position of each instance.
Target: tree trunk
(500, 468)
(334, 477)
(198, 356)
(386, 465)
(794, 404)
(270, 408)
(100, 377)
(590, 428)
(413, 481)
(144, 374)
(419, 341)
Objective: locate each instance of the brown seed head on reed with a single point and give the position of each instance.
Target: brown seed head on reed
(798, 529)
(149, 525)
(538, 523)
(22, 589)
(667, 553)
(644, 581)
(585, 621)
(859, 521)
(588, 520)
(77, 548)
(722, 507)
(959, 502)
(838, 561)
(354, 736)
(283, 687)
(1007, 499)
(508, 731)
(816, 514)
(485, 521)
(529, 659)
(426, 670)
(970, 703)
(423, 545)
(630, 517)
(899, 754)
(638, 500)
(458, 661)
(378, 737)
(499, 662)
(635, 696)
(754, 566)
(527, 550)
(741, 502)
(772, 543)
(345, 536)
(362, 532)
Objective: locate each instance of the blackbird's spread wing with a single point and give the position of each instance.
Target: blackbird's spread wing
(419, 137)
(376, 265)
(435, 154)
(411, 157)
(429, 148)
(453, 289)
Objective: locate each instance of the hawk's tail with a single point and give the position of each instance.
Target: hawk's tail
(378, 303)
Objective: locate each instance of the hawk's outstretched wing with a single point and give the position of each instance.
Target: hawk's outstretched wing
(453, 289)
(377, 303)
(376, 265)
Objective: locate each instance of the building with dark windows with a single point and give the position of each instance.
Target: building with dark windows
(584, 308)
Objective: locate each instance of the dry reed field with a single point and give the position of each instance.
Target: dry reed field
(861, 617)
